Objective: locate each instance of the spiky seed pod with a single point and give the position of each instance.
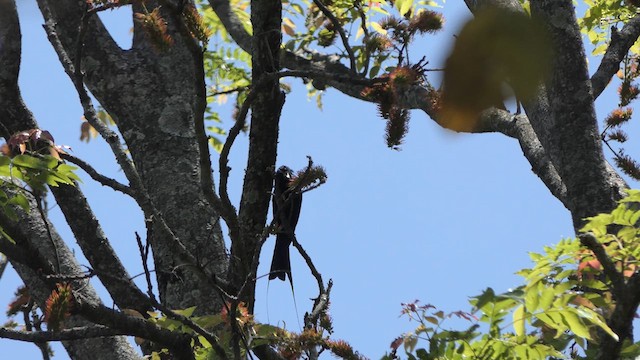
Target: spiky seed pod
(155, 28)
(390, 22)
(403, 76)
(58, 307)
(195, 24)
(397, 127)
(380, 92)
(628, 92)
(307, 178)
(618, 117)
(342, 350)
(377, 42)
(618, 135)
(326, 322)
(310, 337)
(383, 95)
(426, 21)
(326, 37)
(628, 165)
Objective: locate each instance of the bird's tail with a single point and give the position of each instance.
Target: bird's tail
(281, 263)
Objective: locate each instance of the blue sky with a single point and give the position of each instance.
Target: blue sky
(439, 221)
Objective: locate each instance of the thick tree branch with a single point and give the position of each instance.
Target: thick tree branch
(30, 257)
(621, 42)
(16, 117)
(519, 127)
(15, 254)
(158, 115)
(178, 343)
(266, 18)
(572, 129)
(104, 52)
(185, 259)
(88, 307)
(76, 333)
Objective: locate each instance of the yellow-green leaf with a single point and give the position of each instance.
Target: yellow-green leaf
(378, 28)
(518, 320)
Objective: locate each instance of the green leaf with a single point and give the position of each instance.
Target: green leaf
(378, 28)
(597, 320)
(575, 324)
(30, 162)
(404, 6)
(432, 320)
(532, 297)
(208, 321)
(20, 200)
(546, 299)
(480, 301)
(600, 49)
(518, 320)
(186, 312)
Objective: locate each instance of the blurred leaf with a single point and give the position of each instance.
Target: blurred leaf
(493, 49)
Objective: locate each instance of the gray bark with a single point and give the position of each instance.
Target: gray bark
(266, 18)
(559, 134)
(155, 109)
(3, 264)
(156, 99)
(32, 226)
(31, 234)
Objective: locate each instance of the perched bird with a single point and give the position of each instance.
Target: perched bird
(286, 210)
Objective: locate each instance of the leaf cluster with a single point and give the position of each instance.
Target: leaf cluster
(561, 311)
(254, 334)
(601, 16)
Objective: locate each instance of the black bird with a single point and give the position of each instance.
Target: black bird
(286, 210)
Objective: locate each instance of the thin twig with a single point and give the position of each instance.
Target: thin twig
(229, 213)
(144, 256)
(47, 228)
(365, 31)
(340, 29)
(230, 91)
(312, 267)
(320, 305)
(107, 6)
(324, 75)
(95, 175)
(71, 277)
